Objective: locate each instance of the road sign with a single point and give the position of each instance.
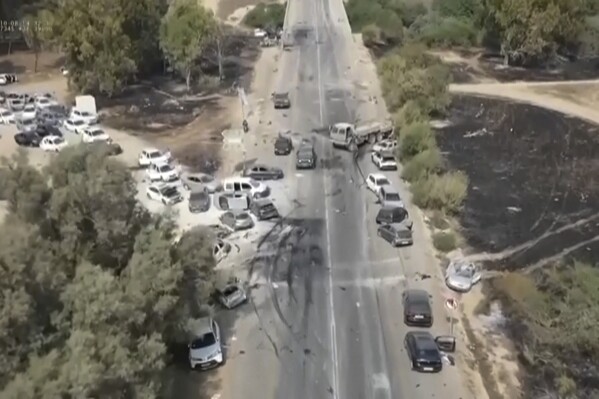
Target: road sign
(451, 303)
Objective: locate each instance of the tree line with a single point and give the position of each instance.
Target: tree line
(108, 44)
(526, 32)
(94, 288)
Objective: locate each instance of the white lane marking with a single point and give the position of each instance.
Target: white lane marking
(320, 95)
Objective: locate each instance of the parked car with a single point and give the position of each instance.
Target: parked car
(461, 275)
(199, 201)
(201, 182)
(283, 145)
(53, 143)
(231, 295)
(385, 146)
(44, 130)
(94, 134)
(165, 193)
(75, 125)
(152, 155)
(162, 171)
(205, 348)
(29, 112)
(7, 78)
(234, 201)
(281, 100)
(237, 220)
(25, 125)
(396, 234)
(16, 105)
(389, 197)
(6, 116)
(43, 102)
(85, 116)
(263, 172)
(305, 158)
(253, 188)
(384, 160)
(423, 351)
(264, 209)
(375, 181)
(417, 308)
(28, 139)
(394, 215)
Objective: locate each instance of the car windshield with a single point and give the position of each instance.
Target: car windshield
(207, 179)
(197, 196)
(281, 96)
(165, 168)
(392, 197)
(6, 113)
(382, 181)
(154, 154)
(170, 192)
(43, 100)
(230, 290)
(389, 158)
(84, 113)
(204, 341)
(429, 354)
(17, 102)
(96, 133)
(58, 140)
(29, 108)
(27, 122)
(267, 207)
(242, 216)
(254, 183)
(78, 122)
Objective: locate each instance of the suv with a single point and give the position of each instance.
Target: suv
(384, 160)
(417, 309)
(305, 158)
(283, 145)
(264, 209)
(389, 197)
(397, 234)
(281, 100)
(205, 348)
(423, 351)
(246, 185)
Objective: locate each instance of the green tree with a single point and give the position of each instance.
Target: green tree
(186, 31)
(266, 16)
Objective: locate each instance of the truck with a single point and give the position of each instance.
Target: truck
(86, 104)
(350, 136)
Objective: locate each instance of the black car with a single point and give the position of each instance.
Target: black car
(28, 139)
(283, 146)
(263, 172)
(264, 209)
(393, 214)
(396, 234)
(199, 201)
(417, 309)
(423, 352)
(281, 100)
(305, 158)
(47, 130)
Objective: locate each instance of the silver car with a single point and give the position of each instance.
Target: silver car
(461, 275)
(389, 197)
(232, 295)
(237, 220)
(205, 348)
(200, 182)
(26, 125)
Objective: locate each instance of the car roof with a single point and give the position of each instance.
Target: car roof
(151, 150)
(379, 176)
(390, 190)
(386, 153)
(424, 339)
(241, 179)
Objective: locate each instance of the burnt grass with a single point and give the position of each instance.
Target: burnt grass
(534, 189)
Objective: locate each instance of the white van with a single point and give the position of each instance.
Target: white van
(247, 185)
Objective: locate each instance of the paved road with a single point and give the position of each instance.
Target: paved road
(326, 318)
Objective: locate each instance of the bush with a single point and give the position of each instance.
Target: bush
(445, 241)
(264, 16)
(422, 164)
(444, 31)
(414, 139)
(438, 220)
(408, 114)
(445, 192)
(469, 10)
(372, 35)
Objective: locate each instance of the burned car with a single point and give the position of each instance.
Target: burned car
(264, 209)
(461, 275)
(281, 100)
(231, 295)
(394, 215)
(283, 145)
(199, 201)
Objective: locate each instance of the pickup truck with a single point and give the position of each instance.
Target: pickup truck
(351, 136)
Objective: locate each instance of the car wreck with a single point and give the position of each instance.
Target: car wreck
(462, 275)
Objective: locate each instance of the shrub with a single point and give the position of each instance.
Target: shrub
(422, 164)
(414, 139)
(445, 192)
(438, 220)
(408, 114)
(465, 9)
(444, 31)
(266, 16)
(410, 11)
(372, 35)
(445, 241)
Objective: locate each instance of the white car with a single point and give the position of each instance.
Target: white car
(162, 171)
(85, 116)
(375, 181)
(261, 33)
(29, 112)
(94, 135)
(53, 143)
(43, 102)
(76, 125)
(151, 156)
(461, 275)
(247, 185)
(6, 116)
(385, 145)
(165, 193)
(384, 160)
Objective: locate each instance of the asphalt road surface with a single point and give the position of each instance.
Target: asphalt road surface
(326, 295)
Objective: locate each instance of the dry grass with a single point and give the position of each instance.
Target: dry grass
(586, 94)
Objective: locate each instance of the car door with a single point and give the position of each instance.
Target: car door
(371, 183)
(388, 233)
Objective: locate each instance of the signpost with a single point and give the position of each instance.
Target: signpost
(452, 305)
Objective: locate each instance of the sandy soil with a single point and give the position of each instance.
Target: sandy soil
(22, 62)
